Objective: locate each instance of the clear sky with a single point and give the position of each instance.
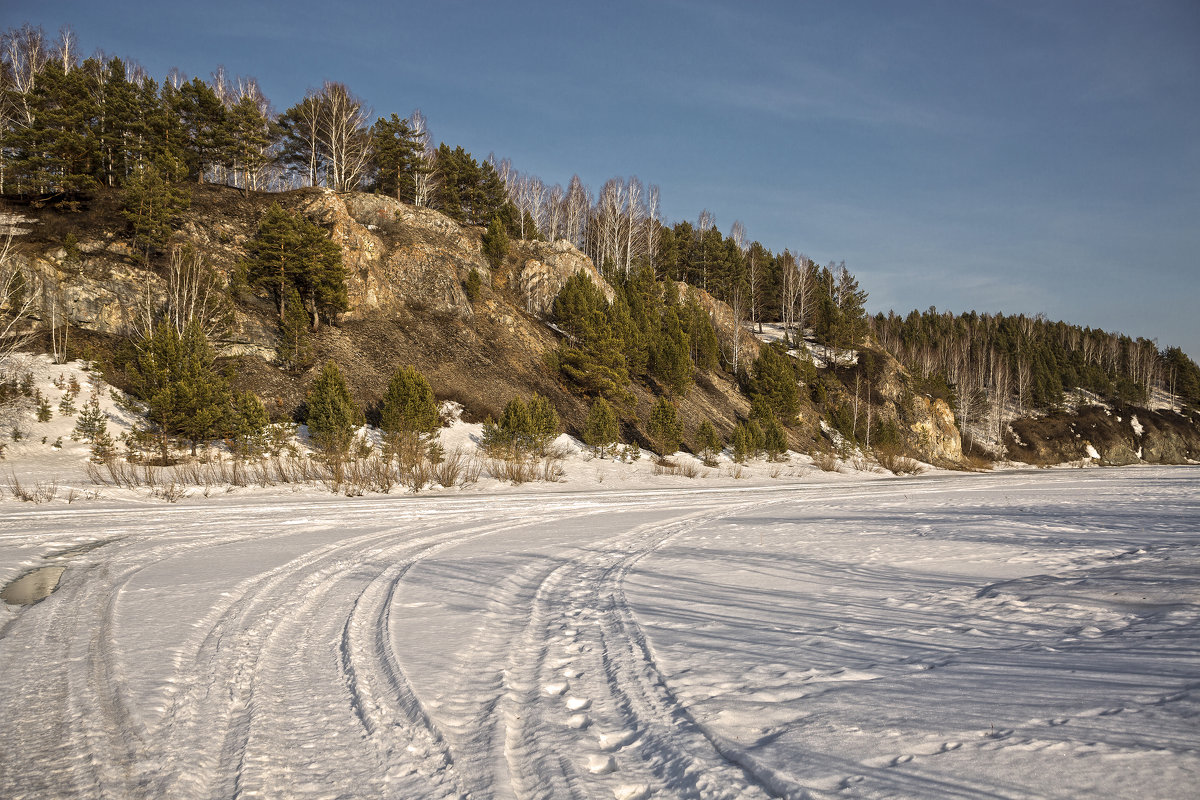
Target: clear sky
(996, 155)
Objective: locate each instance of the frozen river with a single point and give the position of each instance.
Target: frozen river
(1026, 634)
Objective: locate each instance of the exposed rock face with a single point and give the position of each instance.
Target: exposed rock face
(103, 293)
(929, 423)
(1111, 437)
(545, 267)
(937, 435)
(396, 254)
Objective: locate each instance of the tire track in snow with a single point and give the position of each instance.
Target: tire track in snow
(581, 680)
(99, 742)
(409, 751)
(233, 638)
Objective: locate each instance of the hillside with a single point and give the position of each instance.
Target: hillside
(406, 275)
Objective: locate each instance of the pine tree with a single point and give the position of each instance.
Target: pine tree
(332, 413)
(409, 407)
(203, 120)
(294, 349)
(495, 243)
(184, 395)
(290, 253)
(544, 424)
(601, 429)
(774, 439)
(773, 379)
(248, 425)
(664, 428)
(472, 286)
(396, 157)
(709, 442)
(742, 447)
(591, 358)
(670, 360)
(152, 203)
(90, 422)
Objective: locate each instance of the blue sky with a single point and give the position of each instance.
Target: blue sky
(995, 155)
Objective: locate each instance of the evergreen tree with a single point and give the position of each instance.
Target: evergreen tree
(56, 151)
(495, 243)
(294, 349)
(773, 379)
(670, 359)
(472, 286)
(247, 427)
(90, 423)
(774, 439)
(409, 407)
(175, 377)
(742, 446)
(248, 139)
(710, 444)
(601, 430)
(544, 424)
(397, 157)
(702, 338)
(290, 253)
(153, 202)
(332, 414)
(665, 429)
(205, 132)
(591, 357)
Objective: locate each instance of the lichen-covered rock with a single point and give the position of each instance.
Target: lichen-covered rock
(937, 435)
(545, 267)
(398, 255)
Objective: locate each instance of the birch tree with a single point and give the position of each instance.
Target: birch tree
(342, 133)
(423, 174)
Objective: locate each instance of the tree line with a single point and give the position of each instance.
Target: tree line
(999, 366)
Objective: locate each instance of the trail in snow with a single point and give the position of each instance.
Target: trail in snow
(1009, 635)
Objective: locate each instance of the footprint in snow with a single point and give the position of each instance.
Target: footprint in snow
(571, 672)
(578, 703)
(601, 764)
(578, 721)
(554, 689)
(634, 791)
(615, 741)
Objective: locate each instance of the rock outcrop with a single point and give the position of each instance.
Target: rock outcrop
(931, 422)
(543, 268)
(1111, 437)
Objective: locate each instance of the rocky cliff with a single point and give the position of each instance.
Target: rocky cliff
(1107, 436)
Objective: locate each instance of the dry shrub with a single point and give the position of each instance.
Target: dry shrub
(550, 470)
(41, 492)
(975, 462)
(513, 470)
(825, 460)
(896, 462)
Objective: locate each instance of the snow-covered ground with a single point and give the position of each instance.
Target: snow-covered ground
(820, 355)
(1027, 634)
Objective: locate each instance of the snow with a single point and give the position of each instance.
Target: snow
(821, 355)
(1138, 429)
(1014, 634)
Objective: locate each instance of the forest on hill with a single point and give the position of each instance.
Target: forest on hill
(74, 129)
